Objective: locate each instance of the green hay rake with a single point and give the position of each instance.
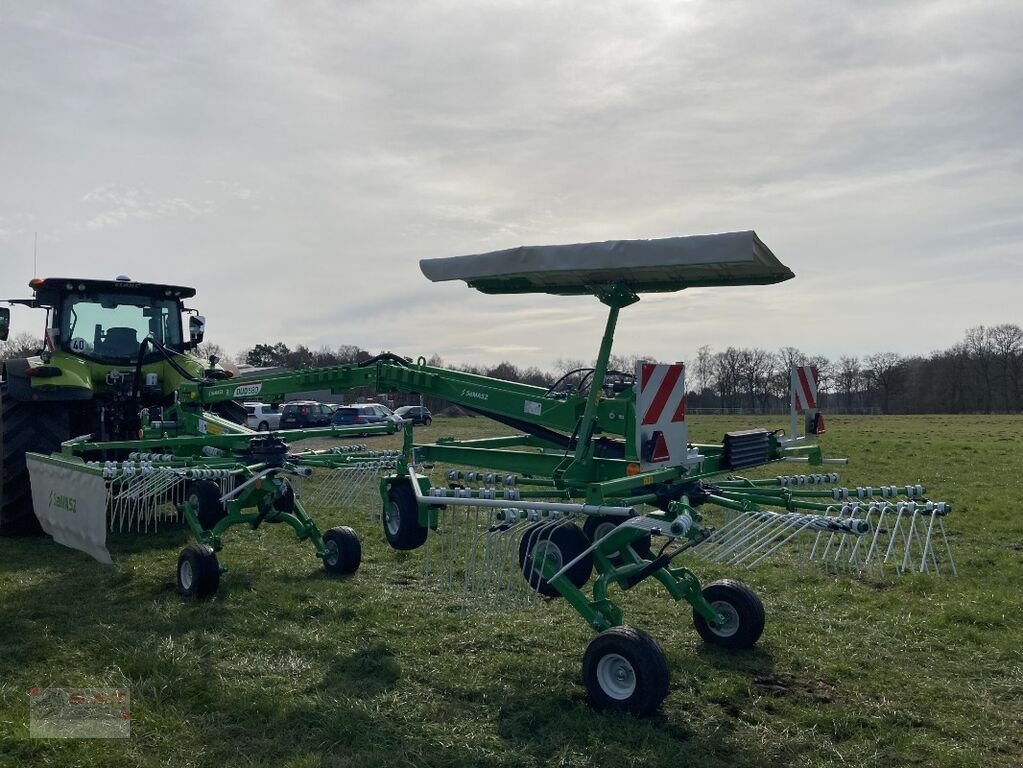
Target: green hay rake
(590, 516)
(211, 482)
(600, 491)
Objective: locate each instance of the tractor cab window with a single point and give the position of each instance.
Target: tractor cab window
(111, 326)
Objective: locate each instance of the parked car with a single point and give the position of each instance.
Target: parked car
(300, 414)
(364, 413)
(262, 416)
(417, 414)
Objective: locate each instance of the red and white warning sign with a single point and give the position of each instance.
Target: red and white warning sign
(661, 433)
(804, 387)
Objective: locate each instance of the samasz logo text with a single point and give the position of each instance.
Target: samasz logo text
(67, 503)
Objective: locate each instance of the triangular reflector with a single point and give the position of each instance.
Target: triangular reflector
(660, 451)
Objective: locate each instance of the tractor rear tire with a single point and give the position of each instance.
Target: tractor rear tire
(36, 427)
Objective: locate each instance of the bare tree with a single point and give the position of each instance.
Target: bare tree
(20, 345)
(1007, 343)
(825, 377)
(849, 380)
(536, 377)
(703, 370)
(728, 376)
(210, 349)
(349, 353)
(787, 358)
(505, 371)
(883, 374)
(982, 355)
(755, 368)
(565, 364)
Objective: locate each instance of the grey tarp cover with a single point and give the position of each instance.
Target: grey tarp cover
(71, 506)
(668, 264)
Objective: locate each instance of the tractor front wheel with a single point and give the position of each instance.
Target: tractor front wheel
(198, 571)
(344, 552)
(401, 519)
(548, 547)
(625, 670)
(741, 611)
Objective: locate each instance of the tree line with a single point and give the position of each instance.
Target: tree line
(982, 373)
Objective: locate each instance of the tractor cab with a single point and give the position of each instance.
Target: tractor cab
(110, 348)
(107, 321)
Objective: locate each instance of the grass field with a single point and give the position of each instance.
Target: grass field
(286, 667)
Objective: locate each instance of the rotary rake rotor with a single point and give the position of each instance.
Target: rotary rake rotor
(590, 517)
(211, 483)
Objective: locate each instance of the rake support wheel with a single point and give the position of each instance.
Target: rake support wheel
(742, 611)
(198, 571)
(401, 519)
(344, 552)
(204, 496)
(556, 545)
(625, 670)
(597, 526)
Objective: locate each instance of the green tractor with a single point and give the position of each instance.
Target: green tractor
(110, 349)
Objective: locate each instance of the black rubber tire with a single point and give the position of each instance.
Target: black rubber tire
(286, 501)
(37, 427)
(595, 527)
(567, 541)
(205, 496)
(345, 548)
(202, 578)
(745, 611)
(427, 421)
(263, 427)
(401, 519)
(625, 670)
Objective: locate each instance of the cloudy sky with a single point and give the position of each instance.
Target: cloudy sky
(294, 161)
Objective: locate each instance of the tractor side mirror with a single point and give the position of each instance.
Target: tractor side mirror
(5, 323)
(196, 328)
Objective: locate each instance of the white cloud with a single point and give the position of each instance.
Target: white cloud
(124, 203)
(295, 161)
